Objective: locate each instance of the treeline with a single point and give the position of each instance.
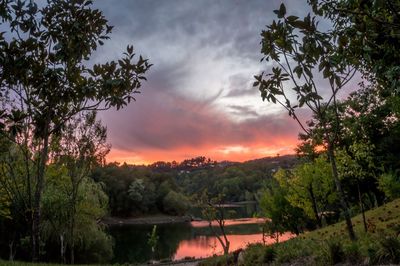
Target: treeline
(137, 190)
(171, 188)
(233, 181)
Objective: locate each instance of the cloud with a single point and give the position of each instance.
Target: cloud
(199, 97)
(244, 111)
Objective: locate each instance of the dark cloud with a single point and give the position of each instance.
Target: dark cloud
(205, 53)
(171, 122)
(244, 111)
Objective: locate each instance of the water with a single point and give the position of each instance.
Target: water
(177, 241)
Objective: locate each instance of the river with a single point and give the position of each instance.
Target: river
(183, 240)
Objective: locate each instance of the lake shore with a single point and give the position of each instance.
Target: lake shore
(152, 220)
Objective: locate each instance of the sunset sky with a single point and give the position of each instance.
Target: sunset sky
(199, 98)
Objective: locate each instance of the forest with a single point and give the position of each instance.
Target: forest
(55, 183)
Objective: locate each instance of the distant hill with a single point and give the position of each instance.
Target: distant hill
(235, 180)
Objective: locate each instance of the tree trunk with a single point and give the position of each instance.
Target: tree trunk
(12, 251)
(314, 206)
(72, 225)
(62, 249)
(72, 245)
(362, 207)
(340, 192)
(38, 193)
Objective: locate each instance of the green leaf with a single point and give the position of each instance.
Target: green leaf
(282, 11)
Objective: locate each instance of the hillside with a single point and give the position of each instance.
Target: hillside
(331, 245)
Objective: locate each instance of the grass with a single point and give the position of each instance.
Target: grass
(331, 244)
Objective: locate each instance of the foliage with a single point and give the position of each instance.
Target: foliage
(309, 187)
(388, 251)
(389, 183)
(212, 210)
(306, 248)
(237, 181)
(136, 190)
(175, 203)
(283, 216)
(367, 33)
(300, 53)
(218, 261)
(258, 255)
(353, 253)
(90, 205)
(46, 80)
(335, 252)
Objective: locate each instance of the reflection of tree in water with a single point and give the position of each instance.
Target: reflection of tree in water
(131, 241)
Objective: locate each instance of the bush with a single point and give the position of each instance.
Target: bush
(388, 251)
(97, 249)
(353, 253)
(269, 254)
(335, 252)
(218, 261)
(389, 183)
(257, 254)
(294, 249)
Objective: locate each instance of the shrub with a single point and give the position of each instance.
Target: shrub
(335, 252)
(253, 255)
(269, 254)
(218, 261)
(388, 251)
(353, 254)
(294, 249)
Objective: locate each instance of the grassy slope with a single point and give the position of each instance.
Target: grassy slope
(379, 220)
(314, 248)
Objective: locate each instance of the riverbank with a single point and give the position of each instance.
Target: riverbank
(152, 220)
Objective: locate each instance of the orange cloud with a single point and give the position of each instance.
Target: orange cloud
(239, 152)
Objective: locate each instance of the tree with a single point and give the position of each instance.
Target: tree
(356, 164)
(13, 197)
(136, 190)
(212, 210)
(81, 147)
(368, 34)
(45, 79)
(301, 51)
(282, 214)
(309, 187)
(73, 223)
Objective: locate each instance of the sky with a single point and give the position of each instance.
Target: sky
(199, 99)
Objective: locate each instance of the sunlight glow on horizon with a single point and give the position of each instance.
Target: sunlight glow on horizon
(235, 153)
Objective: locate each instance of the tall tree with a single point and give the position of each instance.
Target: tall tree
(368, 34)
(302, 54)
(45, 79)
(81, 147)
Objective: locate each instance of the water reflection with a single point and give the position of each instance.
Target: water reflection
(206, 246)
(177, 241)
